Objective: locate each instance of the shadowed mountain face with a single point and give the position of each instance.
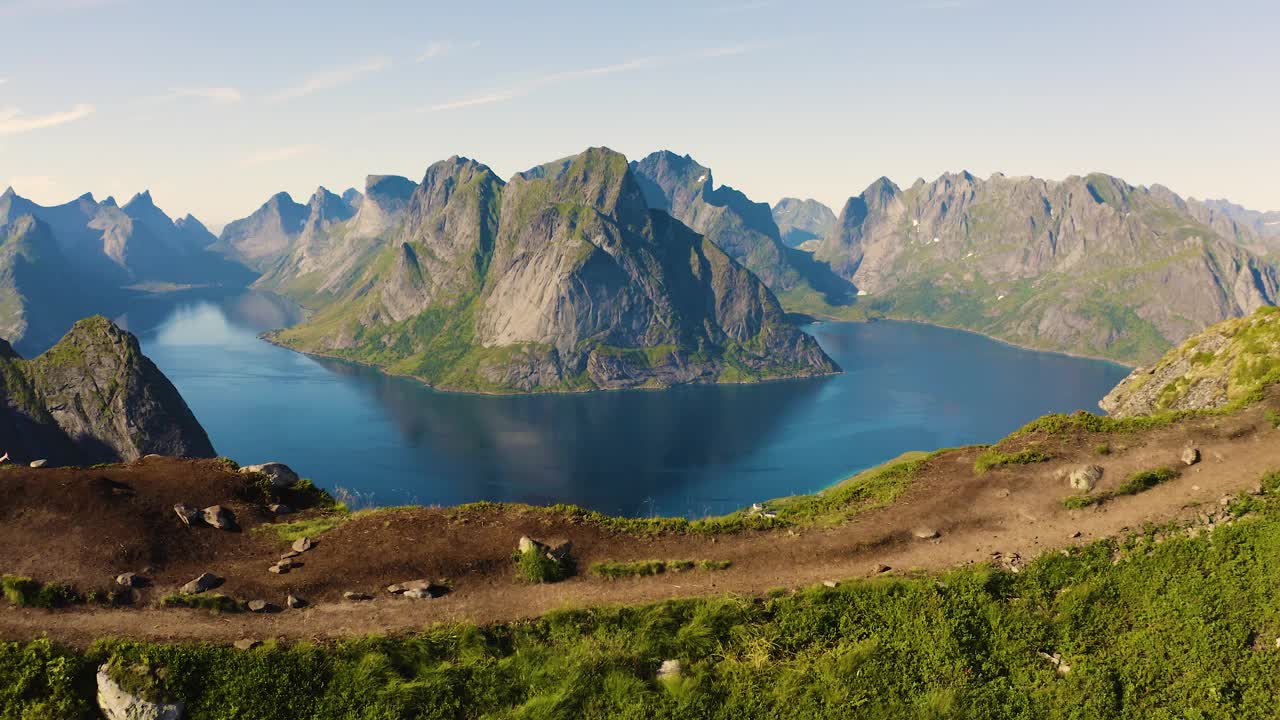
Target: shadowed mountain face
(742, 228)
(1088, 265)
(64, 262)
(562, 279)
(800, 221)
(91, 398)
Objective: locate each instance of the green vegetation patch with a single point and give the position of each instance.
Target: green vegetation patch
(993, 458)
(1183, 628)
(537, 565)
(647, 568)
(213, 602)
(1145, 480)
(26, 592)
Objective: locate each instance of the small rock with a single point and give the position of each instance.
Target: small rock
(925, 533)
(279, 569)
(128, 580)
(829, 583)
(769, 515)
(1002, 493)
(357, 596)
(1190, 456)
(527, 544)
(1195, 488)
(186, 513)
(879, 569)
(302, 544)
(219, 517)
(1085, 477)
(670, 670)
(151, 456)
(1075, 535)
(295, 603)
(416, 594)
(1256, 489)
(258, 606)
(280, 509)
(117, 704)
(1224, 501)
(206, 581)
(39, 463)
(247, 644)
(282, 476)
(289, 554)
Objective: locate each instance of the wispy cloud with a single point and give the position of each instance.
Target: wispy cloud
(219, 95)
(528, 87)
(435, 50)
(266, 157)
(13, 122)
(532, 85)
(332, 78)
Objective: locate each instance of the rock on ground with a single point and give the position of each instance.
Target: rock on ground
(282, 476)
(116, 704)
(1085, 477)
(206, 581)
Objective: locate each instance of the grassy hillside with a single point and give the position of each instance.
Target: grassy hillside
(1165, 624)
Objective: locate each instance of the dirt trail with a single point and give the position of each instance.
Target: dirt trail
(85, 526)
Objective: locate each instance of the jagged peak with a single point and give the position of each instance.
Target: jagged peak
(881, 186)
(86, 198)
(110, 201)
(142, 199)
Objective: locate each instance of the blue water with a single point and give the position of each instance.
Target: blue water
(686, 451)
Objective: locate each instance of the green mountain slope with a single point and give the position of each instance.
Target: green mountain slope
(562, 279)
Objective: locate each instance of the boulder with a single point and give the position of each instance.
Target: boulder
(128, 580)
(39, 463)
(186, 513)
(247, 644)
(1190, 456)
(206, 581)
(116, 704)
(282, 476)
(294, 602)
(259, 606)
(403, 587)
(670, 670)
(830, 583)
(925, 533)
(280, 509)
(219, 517)
(1085, 477)
(302, 544)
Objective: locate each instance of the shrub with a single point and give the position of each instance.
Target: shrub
(213, 602)
(1272, 418)
(1145, 480)
(1078, 502)
(26, 592)
(1102, 449)
(538, 565)
(992, 458)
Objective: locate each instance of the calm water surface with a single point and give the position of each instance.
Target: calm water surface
(685, 451)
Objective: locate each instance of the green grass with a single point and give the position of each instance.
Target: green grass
(1145, 480)
(646, 568)
(535, 566)
(307, 527)
(1272, 417)
(1179, 628)
(1078, 502)
(993, 458)
(213, 602)
(1102, 448)
(26, 592)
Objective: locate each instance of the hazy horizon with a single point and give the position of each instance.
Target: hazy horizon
(215, 109)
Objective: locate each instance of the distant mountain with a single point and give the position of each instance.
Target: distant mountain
(562, 279)
(62, 262)
(92, 398)
(323, 260)
(1258, 231)
(743, 228)
(1088, 265)
(800, 221)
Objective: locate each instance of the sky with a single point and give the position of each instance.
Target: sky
(216, 106)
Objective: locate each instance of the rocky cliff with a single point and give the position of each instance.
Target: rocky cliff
(1230, 362)
(91, 398)
(1089, 265)
(562, 279)
(742, 228)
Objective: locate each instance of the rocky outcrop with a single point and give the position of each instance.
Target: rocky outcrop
(1089, 265)
(744, 229)
(562, 279)
(93, 398)
(116, 703)
(264, 237)
(1229, 362)
(800, 221)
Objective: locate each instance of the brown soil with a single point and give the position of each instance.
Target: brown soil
(83, 526)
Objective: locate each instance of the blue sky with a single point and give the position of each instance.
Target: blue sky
(214, 106)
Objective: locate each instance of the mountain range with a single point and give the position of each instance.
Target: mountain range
(61, 263)
(563, 278)
(1090, 265)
